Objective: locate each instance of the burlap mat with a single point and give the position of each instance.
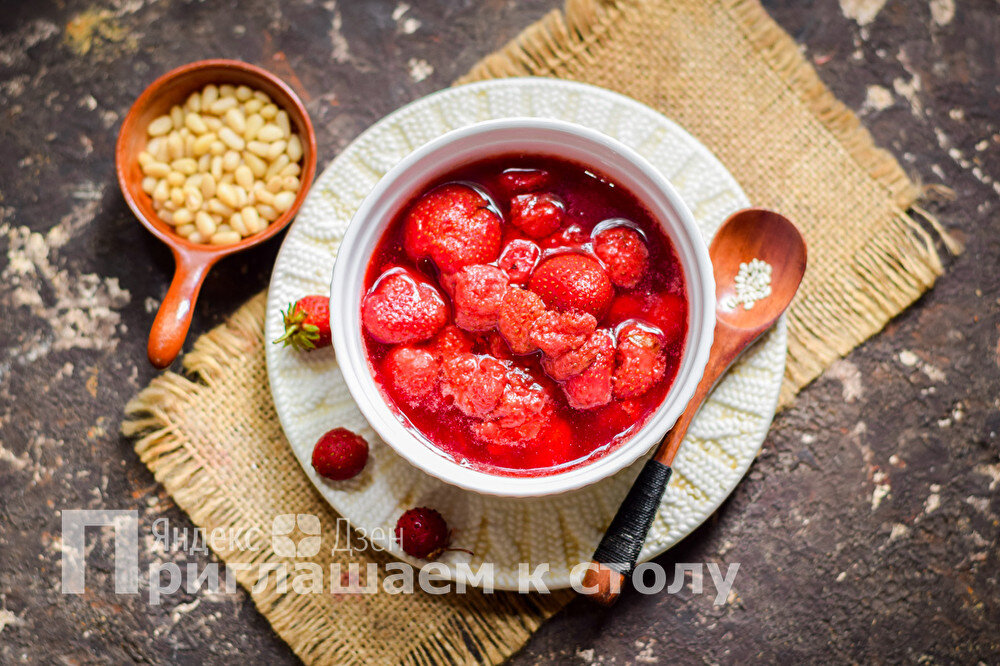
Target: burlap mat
(730, 76)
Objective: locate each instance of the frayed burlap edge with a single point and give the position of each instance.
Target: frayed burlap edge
(488, 628)
(900, 263)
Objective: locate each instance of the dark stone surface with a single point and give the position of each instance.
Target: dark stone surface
(867, 530)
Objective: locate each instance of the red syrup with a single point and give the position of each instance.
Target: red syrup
(501, 412)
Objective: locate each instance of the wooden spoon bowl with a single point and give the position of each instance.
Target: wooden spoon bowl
(193, 260)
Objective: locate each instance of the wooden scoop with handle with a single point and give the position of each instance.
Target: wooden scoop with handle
(746, 235)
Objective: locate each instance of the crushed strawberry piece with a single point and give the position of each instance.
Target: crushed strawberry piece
(454, 226)
(401, 308)
(572, 281)
(518, 259)
(557, 333)
(518, 313)
(520, 415)
(519, 181)
(479, 291)
(571, 236)
(575, 361)
(641, 361)
(476, 383)
(593, 387)
(623, 252)
(537, 215)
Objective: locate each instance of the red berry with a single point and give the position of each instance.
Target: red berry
(538, 215)
(624, 254)
(454, 226)
(572, 236)
(573, 282)
(518, 313)
(519, 258)
(423, 533)
(307, 323)
(577, 360)
(479, 291)
(340, 454)
(592, 387)
(450, 342)
(400, 308)
(476, 383)
(519, 417)
(641, 360)
(413, 376)
(557, 333)
(519, 181)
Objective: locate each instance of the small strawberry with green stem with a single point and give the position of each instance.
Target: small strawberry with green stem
(307, 323)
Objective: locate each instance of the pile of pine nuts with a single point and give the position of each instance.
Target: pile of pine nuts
(222, 166)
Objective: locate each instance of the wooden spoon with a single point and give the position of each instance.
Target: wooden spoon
(747, 234)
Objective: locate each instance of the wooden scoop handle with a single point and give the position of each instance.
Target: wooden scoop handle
(173, 319)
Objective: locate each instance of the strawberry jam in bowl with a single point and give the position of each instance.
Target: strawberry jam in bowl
(522, 307)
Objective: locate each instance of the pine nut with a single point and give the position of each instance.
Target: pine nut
(194, 123)
(223, 105)
(251, 218)
(269, 111)
(177, 116)
(193, 102)
(186, 165)
(283, 201)
(205, 223)
(207, 186)
(243, 93)
(225, 238)
(270, 133)
(236, 121)
(236, 222)
(231, 139)
(226, 193)
(156, 169)
(277, 148)
(185, 229)
(209, 95)
(175, 179)
(282, 121)
(253, 105)
(253, 125)
(148, 185)
(244, 177)
(294, 149)
(257, 165)
(267, 212)
(160, 126)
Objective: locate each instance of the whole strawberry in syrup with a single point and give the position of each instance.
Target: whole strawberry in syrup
(573, 282)
(307, 323)
(454, 226)
(400, 308)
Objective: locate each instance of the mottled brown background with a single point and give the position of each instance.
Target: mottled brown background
(866, 531)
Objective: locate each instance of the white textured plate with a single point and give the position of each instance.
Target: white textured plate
(310, 396)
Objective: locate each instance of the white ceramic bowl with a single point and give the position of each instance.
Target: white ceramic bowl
(473, 143)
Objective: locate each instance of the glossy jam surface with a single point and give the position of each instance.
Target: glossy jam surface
(443, 357)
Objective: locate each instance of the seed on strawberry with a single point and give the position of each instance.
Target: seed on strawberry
(307, 323)
(413, 376)
(624, 254)
(538, 215)
(478, 293)
(593, 387)
(641, 360)
(570, 281)
(519, 181)
(557, 333)
(518, 313)
(422, 532)
(454, 226)
(400, 308)
(518, 259)
(475, 383)
(340, 454)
